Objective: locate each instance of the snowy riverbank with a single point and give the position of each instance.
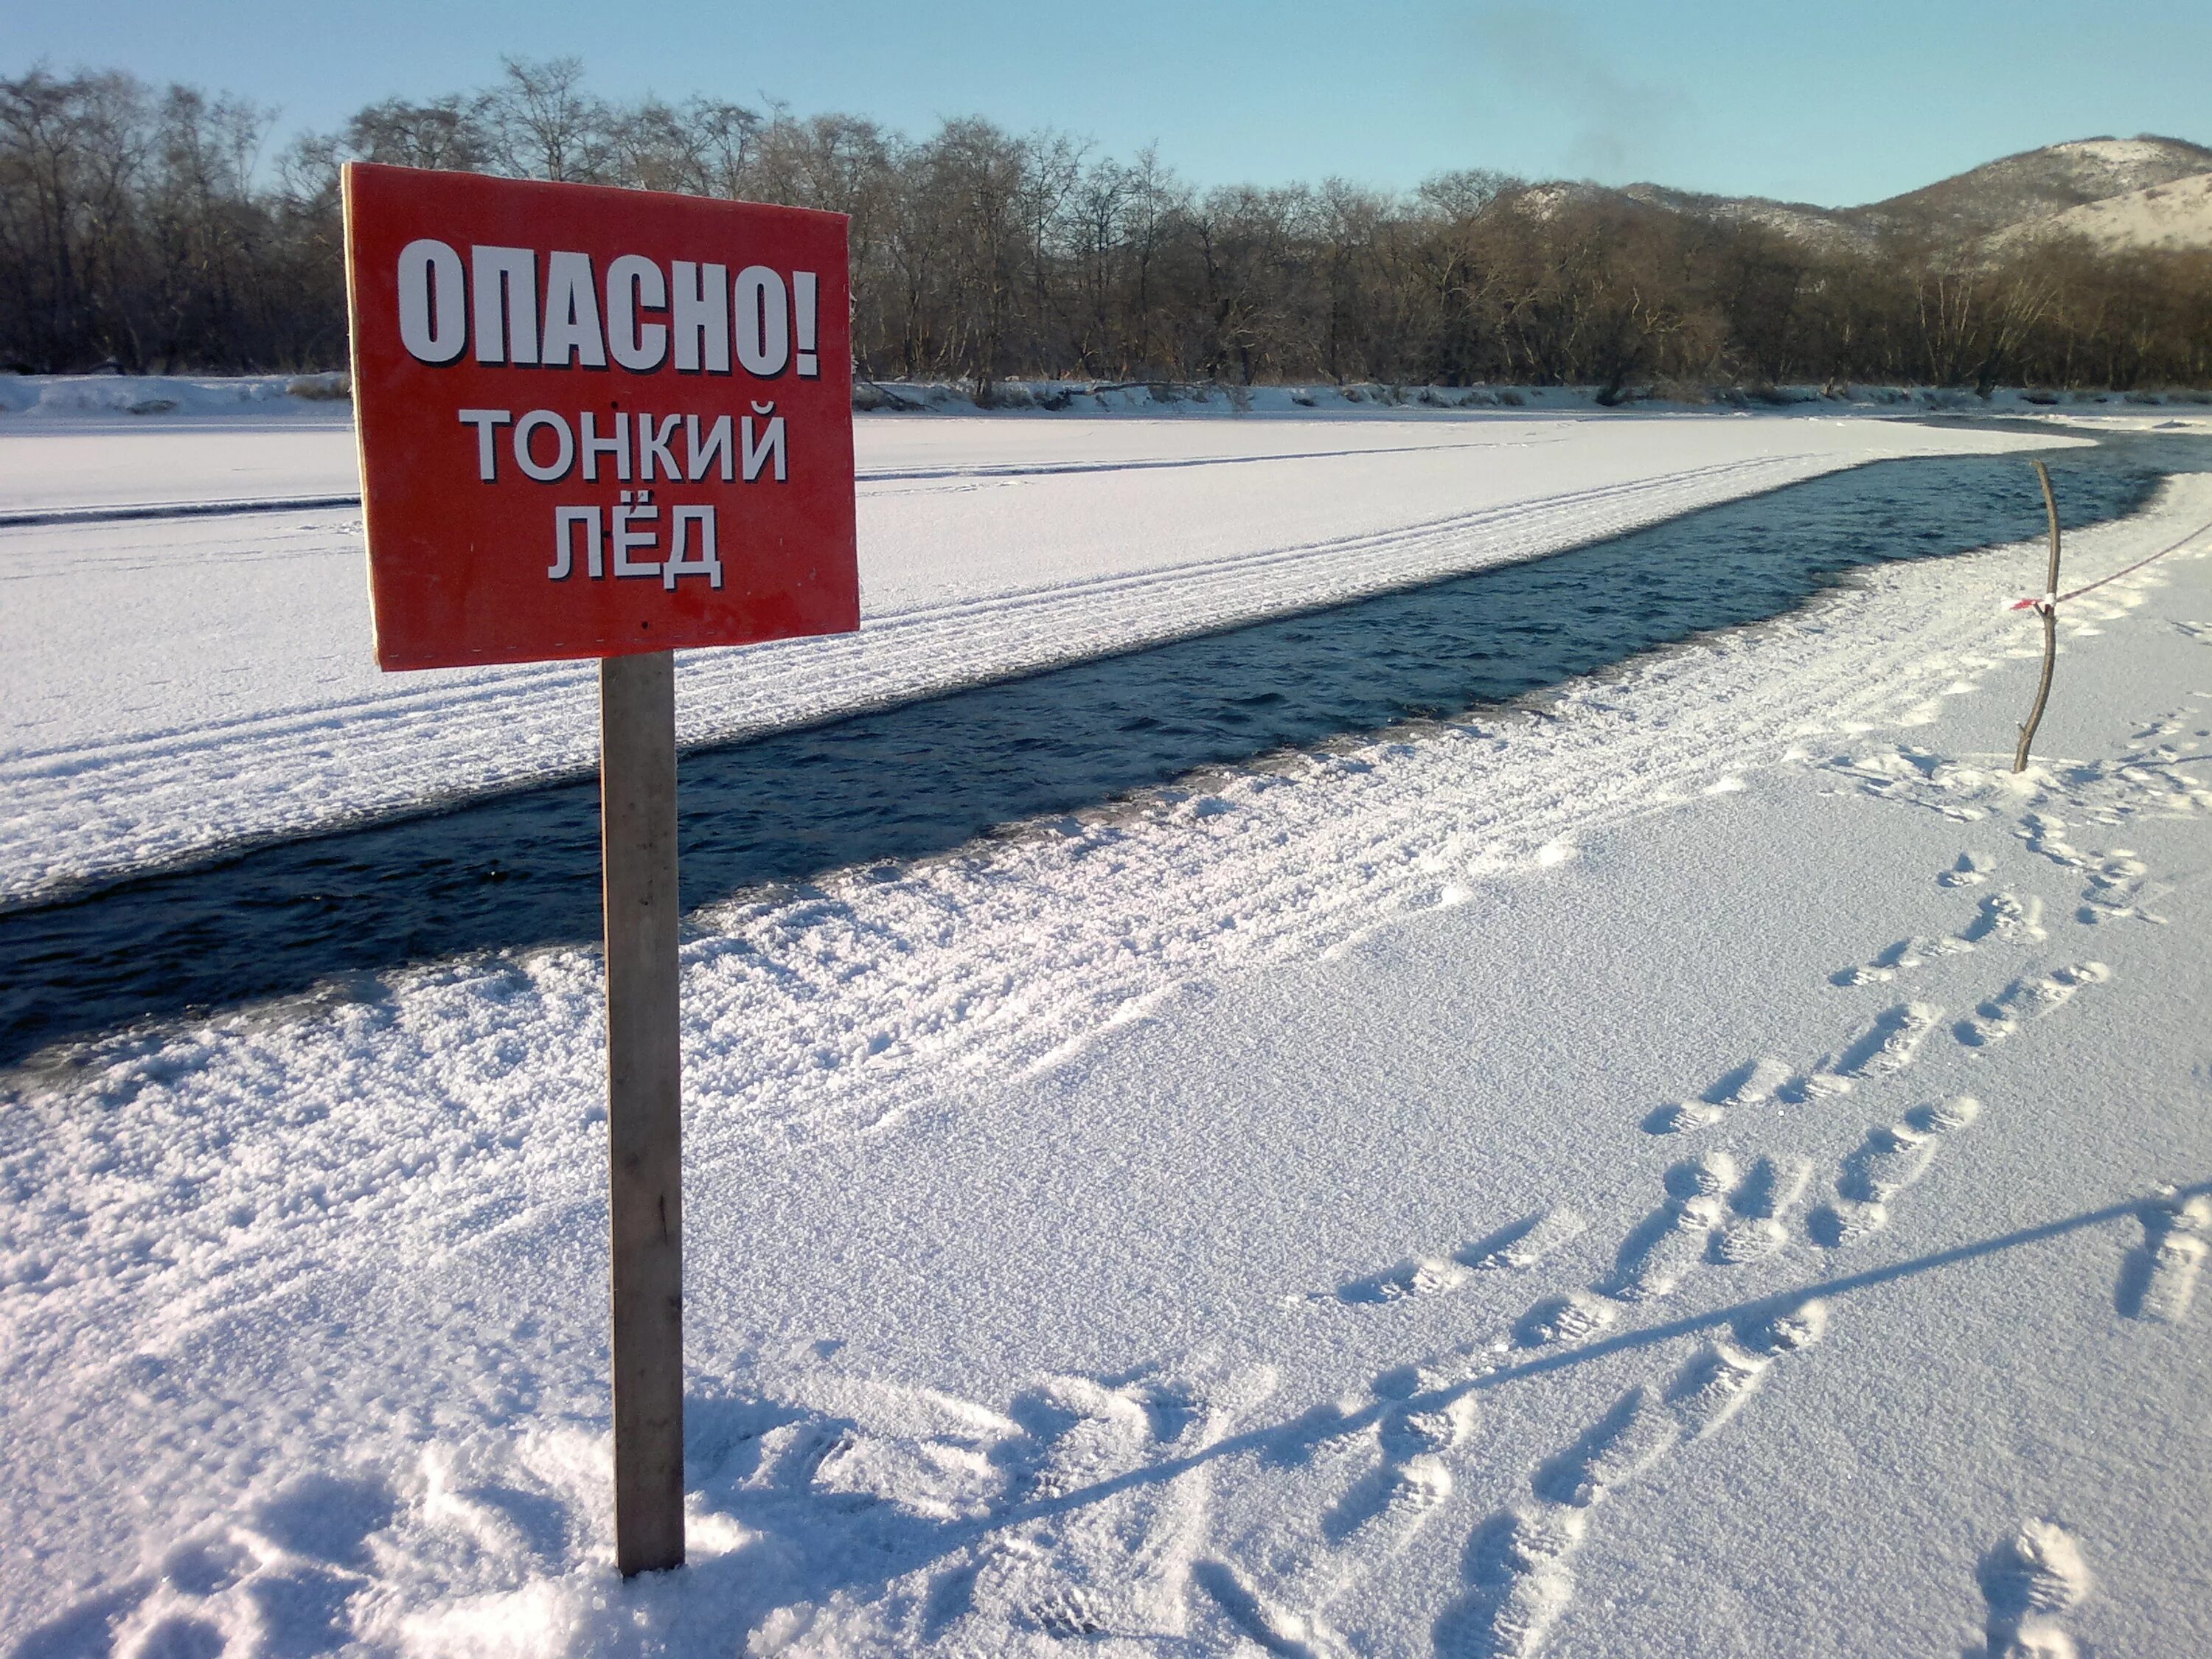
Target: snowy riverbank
(77, 398)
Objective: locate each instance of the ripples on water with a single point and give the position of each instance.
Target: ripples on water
(523, 870)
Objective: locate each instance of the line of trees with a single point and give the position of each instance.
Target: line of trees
(140, 228)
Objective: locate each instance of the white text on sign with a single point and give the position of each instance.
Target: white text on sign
(692, 314)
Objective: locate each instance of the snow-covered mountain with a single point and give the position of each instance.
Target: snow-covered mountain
(2119, 193)
(2173, 215)
(2013, 195)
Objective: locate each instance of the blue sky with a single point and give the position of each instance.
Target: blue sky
(1831, 103)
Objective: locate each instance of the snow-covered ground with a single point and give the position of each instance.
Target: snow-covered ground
(178, 686)
(1676, 1171)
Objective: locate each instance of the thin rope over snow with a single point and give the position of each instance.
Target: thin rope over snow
(2054, 600)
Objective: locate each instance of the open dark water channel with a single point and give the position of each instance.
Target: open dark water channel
(522, 870)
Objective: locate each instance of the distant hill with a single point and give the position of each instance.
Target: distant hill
(2119, 193)
(2013, 195)
(2177, 215)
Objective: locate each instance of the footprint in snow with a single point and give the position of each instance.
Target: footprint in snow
(1574, 1317)
(1762, 1207)
(1110, 1564)
(2008, 918)
(1889, 1160)
(2027, 1581)
(287, 1568)
(1518, 1564)
(1256, 1619)
(1516, 1248)
(2113, 881)
(1674, 1238)
(1885, 1046)
(2160, 1278)
(2024, 998)
(1754, 1082)
(1713, 1212)
(1276, 1587)
(2114, 887)
(1275, 1592)
(2003, 916)
(1900, 958)
(1968, 871)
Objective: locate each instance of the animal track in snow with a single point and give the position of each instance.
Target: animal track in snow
(2160, 1278)
(1889, 1161)
(2027, 1581)
(1968, 871)
(2027, 998)
(1519, 1563)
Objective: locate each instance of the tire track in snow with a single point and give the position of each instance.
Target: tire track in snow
(865, 478)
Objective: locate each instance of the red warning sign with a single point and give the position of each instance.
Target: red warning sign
(597, 421)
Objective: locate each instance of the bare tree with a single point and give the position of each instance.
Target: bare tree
(142, 227)
(541, 124)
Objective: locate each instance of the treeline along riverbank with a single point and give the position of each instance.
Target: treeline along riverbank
(148, 228)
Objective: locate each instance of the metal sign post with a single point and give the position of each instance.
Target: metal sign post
(607, 424)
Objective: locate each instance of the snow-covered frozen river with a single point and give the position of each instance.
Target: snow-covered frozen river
(521, 870)
(178, 688)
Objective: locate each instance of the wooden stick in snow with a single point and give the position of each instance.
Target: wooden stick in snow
(2049, 607)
